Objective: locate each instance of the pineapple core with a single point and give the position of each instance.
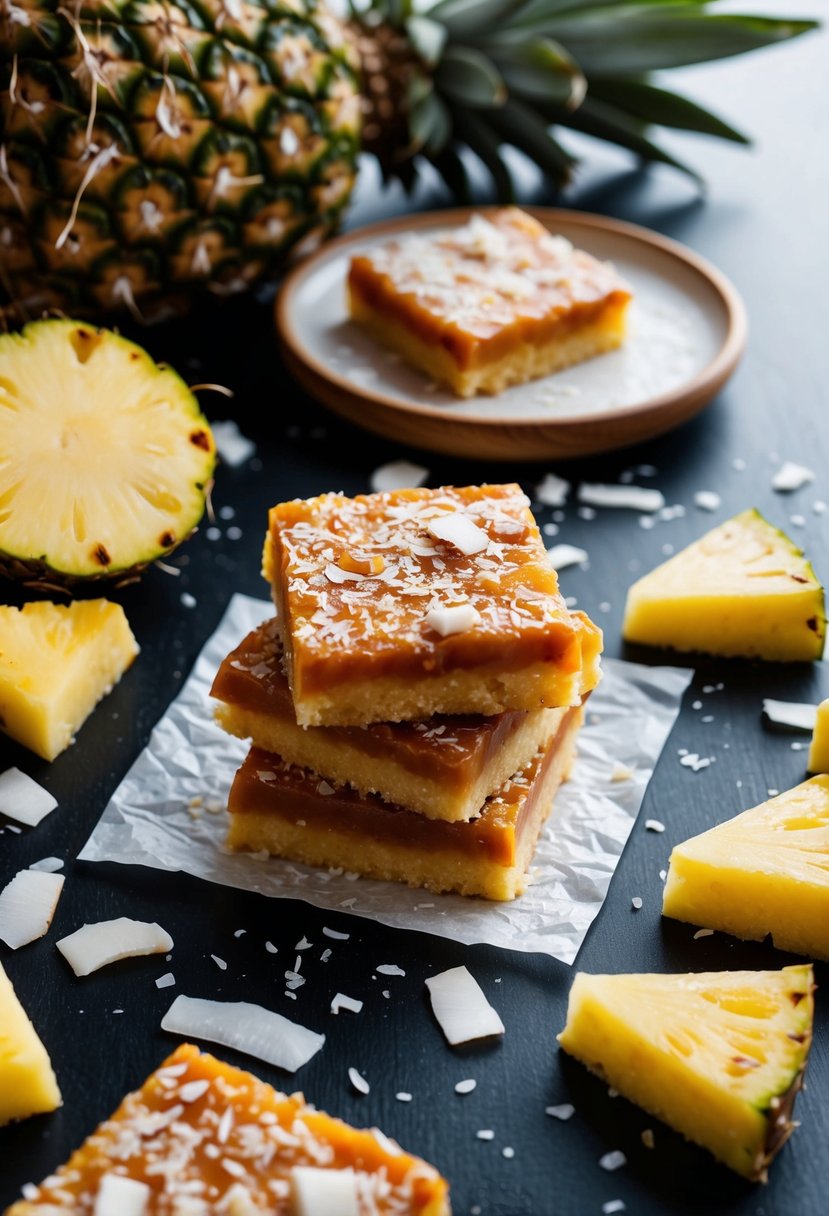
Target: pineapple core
(56, 662)
(27, 1082)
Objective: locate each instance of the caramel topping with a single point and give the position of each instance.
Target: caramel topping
(206, 1138)
(345, 625)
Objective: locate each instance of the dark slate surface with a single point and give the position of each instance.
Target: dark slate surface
(763, 224)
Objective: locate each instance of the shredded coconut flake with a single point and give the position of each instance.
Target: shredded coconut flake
(389, 969)
(634, 498)
(402, 1096)
(48, 865)
(249, 1028)
(466, 1087)
(707, 500)
(793, 714)
(23, 800)
(636, 903)
(613, 1206)
(341, 1001)
(703, 933)
(791, 476)
(335, 935)
(108, 941)
(119, 1196)
(457, 529)
(456, 618)
(552, 491)
(27, 905)
(460, 1007)
(654, 825)
(359, 1082)
(564, 1111)
(233, 447)
(398, 475)
(613, 1160)
(324, 1192)
(165, 981)
(562, 556)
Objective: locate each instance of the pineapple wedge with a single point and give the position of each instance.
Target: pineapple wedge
(743, 589)
(106, 456)
(718, 1056)
(56, 662)
(27, 1082)
(764, 872)
(819, 746)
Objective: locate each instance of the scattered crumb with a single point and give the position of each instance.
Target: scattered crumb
(707, 500)
(695, 762)
(647, 1137)
(165, 981)
(552, 491)
(791, 476)
(271, 948)
(612, 1206)
(403, 1096)
(613, 1160)
(359, 1082)
(349, 1003)
(636, 903)
(621, 772)
(563, 1112)
(188, 600)
(508, 1152)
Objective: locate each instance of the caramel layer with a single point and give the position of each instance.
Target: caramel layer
(454, 749)
(265, 785)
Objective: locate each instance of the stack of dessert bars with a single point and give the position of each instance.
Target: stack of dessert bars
(413, 706)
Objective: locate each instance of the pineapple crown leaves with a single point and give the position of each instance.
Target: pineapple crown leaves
(490, 73)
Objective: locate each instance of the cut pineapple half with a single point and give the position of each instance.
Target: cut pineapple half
(105, 456)
(718, 1056)
(56, 662)
(764, 872)
(743, 589)
(819, 745)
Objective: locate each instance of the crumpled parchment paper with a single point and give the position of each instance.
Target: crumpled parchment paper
(168, 812)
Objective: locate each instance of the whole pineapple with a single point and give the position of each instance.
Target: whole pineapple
(152, 148)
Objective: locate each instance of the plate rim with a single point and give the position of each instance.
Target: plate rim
(702, 386)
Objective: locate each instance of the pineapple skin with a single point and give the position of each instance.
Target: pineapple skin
(56, 663)
(27, 1082)
(745, 877)
(784, 621)
(152, 153)
(742, 1135)
(819, 746)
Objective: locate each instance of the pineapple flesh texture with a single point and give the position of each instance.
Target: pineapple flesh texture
(56, 662)
(819, 745)
(27, 1082)
(764, 872)
(742, 590)
(106, 456)
(719, 1057)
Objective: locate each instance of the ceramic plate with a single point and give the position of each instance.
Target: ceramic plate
(687, 333)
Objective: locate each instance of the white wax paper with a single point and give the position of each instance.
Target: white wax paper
(159, 815)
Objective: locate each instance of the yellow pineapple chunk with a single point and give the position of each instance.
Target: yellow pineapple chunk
(719, 1056)
(56, 662)
(27, 1082)
(819, 746)
(743, 589)
(764, 872)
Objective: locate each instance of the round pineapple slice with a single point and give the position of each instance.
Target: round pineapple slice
(105, 457)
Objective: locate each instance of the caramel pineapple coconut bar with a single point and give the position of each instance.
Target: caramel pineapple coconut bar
(201, 1137)
(291, 812)
(443, 768)
(400, 605)
(495, 302)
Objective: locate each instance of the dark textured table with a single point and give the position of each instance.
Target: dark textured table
(764, 225)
